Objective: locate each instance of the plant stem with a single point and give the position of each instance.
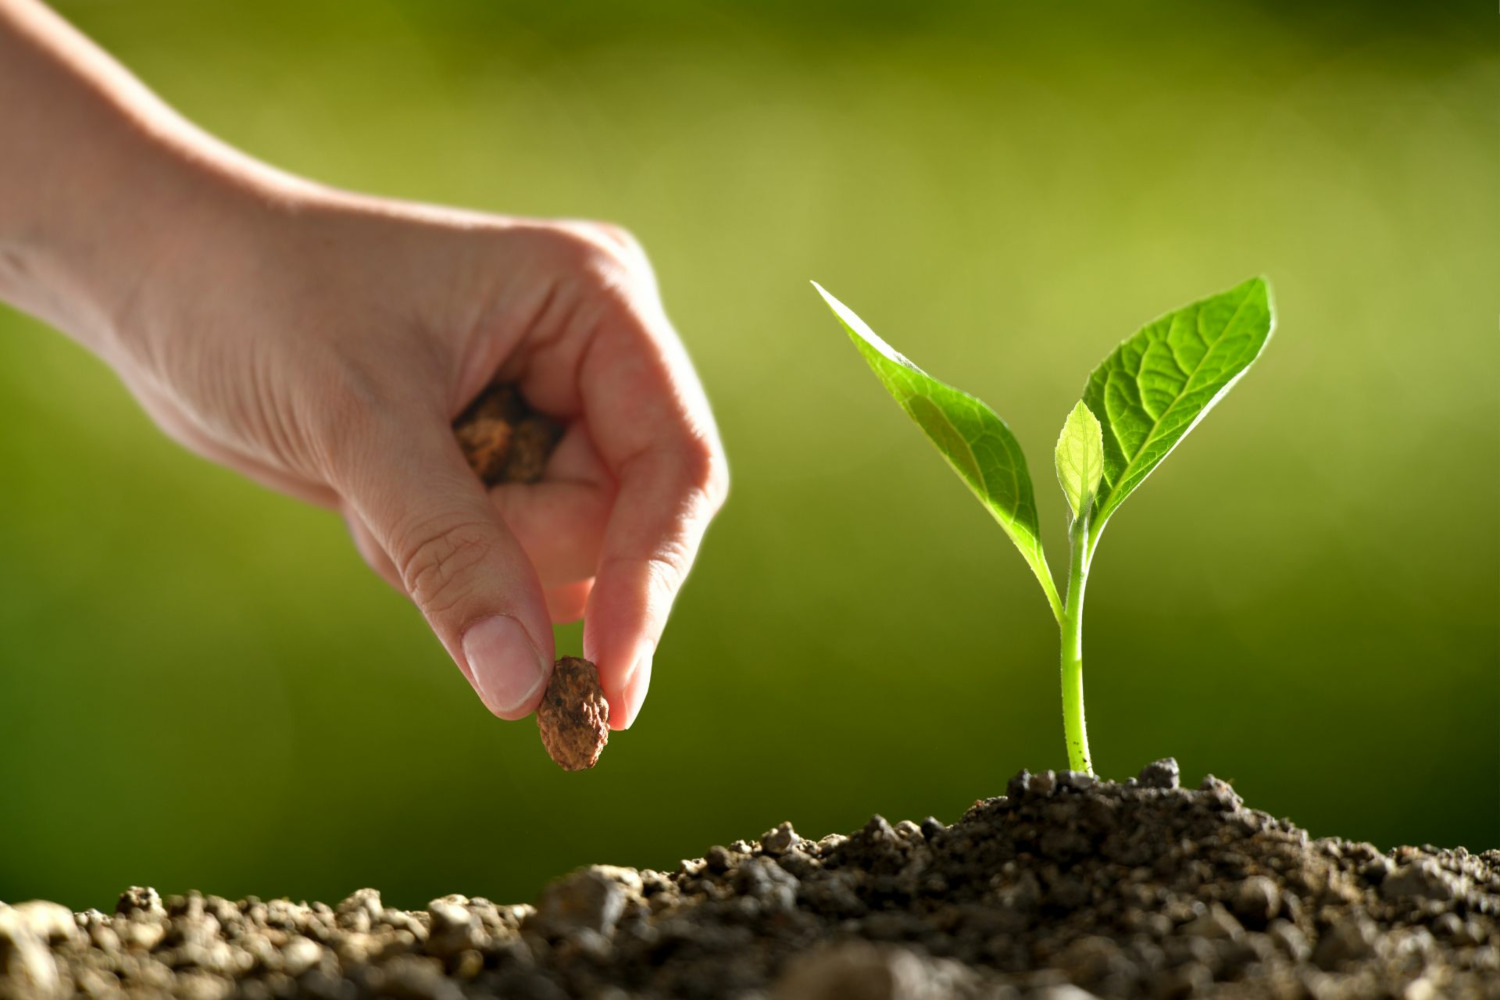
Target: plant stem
(1071, 628)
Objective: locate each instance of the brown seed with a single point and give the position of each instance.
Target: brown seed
(530, 446)
(573, 716)
(504, 440)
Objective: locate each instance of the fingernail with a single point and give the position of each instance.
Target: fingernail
(635, 688)
(508, 670)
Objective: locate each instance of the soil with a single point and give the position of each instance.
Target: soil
(1061, 889)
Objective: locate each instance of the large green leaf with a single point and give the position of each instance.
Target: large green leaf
(1159, 383)
(976, 442)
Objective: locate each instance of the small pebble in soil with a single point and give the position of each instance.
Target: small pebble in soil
(778, 840)
(1058, 890)
(1160, 774)
(573, 717)
(1256, 901)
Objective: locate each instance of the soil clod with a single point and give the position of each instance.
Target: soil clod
(1162, 773)
(590, 900)
(138, 899)
(1059, 891)
(1256, 901)
(778, 840)
(574, 716)
(504, 440)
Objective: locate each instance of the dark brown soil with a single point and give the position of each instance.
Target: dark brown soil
(1061, 889)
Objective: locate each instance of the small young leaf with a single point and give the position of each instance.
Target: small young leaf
(975, 441)
(1080, 459)
(1158, 384)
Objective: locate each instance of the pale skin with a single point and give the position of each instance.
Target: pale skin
(321, 343)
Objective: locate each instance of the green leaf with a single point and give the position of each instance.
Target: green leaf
(976, 442)
(1158, 384)
(1080, 459)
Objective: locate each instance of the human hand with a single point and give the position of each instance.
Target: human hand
(322, 344)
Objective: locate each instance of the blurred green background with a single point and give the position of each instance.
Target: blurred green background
(202, 686)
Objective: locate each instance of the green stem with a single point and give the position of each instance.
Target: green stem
(1072, 648)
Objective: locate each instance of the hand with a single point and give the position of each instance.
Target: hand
(322, 344)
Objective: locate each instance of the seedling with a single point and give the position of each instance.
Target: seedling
(1138, 404)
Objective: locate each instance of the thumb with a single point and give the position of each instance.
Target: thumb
(456, 559)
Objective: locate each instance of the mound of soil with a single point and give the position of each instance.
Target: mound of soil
(1062, 888)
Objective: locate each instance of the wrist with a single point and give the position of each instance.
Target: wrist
(167, 234)
(101, 184)
(138, 229)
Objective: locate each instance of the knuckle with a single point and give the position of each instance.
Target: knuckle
(438, 560)
(622, 240)
(666, 566)
(605, 235)
(609, 251)
(707, 471)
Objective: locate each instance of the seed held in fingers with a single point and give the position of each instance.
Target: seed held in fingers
(503, 439)
(574, 716)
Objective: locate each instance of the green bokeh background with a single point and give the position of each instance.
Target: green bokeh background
(202, 686)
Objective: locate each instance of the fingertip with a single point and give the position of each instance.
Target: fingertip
(507, 670)
(624, 710)
(567, 603)
(622, 624)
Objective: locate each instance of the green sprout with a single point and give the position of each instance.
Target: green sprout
(1138, 404)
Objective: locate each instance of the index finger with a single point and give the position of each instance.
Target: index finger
(652, 427)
